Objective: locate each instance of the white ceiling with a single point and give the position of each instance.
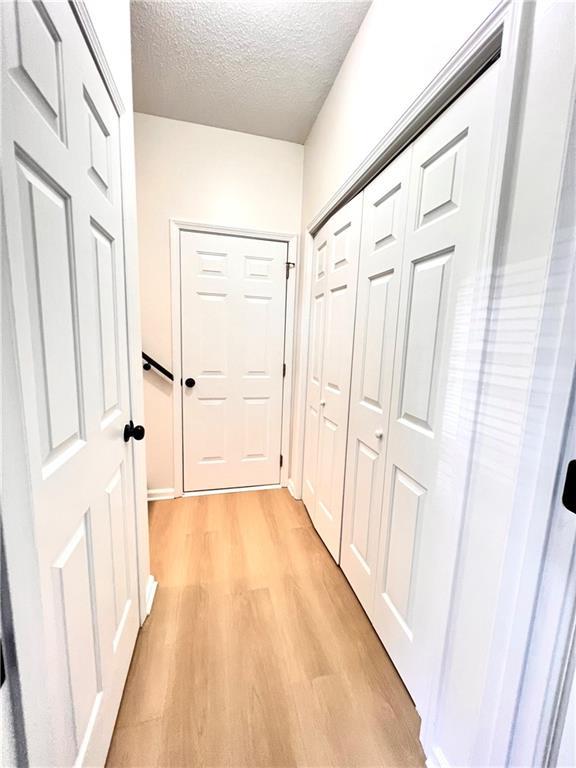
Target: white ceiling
(262, 67)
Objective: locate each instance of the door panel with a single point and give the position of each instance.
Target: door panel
(423, 338)
(421, 505)
(233, 316)
(62, 191)
(331, 338)
(383, 225)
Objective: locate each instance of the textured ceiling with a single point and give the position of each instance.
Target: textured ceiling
(262, 67)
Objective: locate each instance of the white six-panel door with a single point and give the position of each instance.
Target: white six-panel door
(233, 299)
(428, 422)
(315, 360)
(382, 245)
(63, 198)
(335, 272)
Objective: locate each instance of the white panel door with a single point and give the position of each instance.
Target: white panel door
(446, 205)
(63, 198)
(382, 245)
(315, 361)
(335, 274)
(233, 318)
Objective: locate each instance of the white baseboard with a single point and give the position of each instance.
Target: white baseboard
(243, 489)
(150, 593)
(292, 488)
(158, 494)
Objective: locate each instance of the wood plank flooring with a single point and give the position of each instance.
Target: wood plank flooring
(257, 652)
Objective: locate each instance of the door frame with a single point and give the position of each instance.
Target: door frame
(182, 225)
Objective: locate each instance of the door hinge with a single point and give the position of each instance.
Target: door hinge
(283, 370)
(289, 266)
(281, 460)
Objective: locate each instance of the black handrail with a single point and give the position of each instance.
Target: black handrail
(151, 363)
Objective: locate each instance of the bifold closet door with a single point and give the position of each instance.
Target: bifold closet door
(428, 436)
(233, 317)
(383, 224)
(335, 269)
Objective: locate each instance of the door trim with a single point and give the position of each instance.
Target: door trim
(182, 225)
(85, 23)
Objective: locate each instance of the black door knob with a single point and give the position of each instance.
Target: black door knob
(137, 432)
(190, 383)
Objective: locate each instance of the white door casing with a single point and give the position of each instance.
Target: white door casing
(336, 248)
(428, 423)
(233, 299)
(379, 272)
(63, 197)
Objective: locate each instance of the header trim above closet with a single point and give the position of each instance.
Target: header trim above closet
(490, 41)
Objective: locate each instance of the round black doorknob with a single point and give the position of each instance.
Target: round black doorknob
(136, 431)
(190, 382)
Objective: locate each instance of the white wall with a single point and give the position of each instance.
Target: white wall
(207, 176)
(398, 50)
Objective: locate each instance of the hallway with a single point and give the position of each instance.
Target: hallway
(257, 652)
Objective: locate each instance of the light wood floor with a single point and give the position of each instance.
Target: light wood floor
(257, 652)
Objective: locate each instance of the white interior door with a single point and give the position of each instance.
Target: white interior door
(61, 167)
(320, 258)
(335, 274)
(382, 245)
(420, 517)
(233, 317)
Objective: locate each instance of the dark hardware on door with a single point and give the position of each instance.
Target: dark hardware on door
(190, 383)
(137, 432)
(569, 493)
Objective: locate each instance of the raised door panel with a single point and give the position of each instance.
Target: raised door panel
(37, 62)
(403, 525)
(258, 348)
(76, 600)
(428, 436)
(364, 503)
(383, 225)
(423, 339)
(108, 314)
(99, 146)
(51, 277)
(212, 337)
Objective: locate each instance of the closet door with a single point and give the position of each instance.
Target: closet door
(383, 224)
(315, 359)
(428, 435)
(333, 302)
